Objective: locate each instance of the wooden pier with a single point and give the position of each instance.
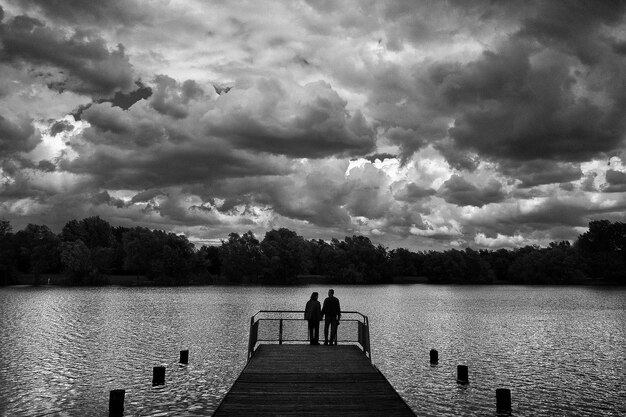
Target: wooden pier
(302, 379)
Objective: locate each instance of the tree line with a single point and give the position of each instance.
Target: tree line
(88, 251)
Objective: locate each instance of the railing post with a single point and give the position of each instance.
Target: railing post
(367, 336)
(251, 343)
(158, 375)
(503, 400)
(280, 332)
(116, 403)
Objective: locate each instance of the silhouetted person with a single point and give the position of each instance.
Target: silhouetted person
(332, 314)
(313, 313)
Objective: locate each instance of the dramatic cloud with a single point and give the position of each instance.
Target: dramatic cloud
(428, 125)
(17, 136)
(616, 181)
(285, 118)
(80, 62)
(460, 192)
(94, 12)
(60, 126)
(538, 172)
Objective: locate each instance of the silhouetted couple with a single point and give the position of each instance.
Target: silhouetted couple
(331, 312)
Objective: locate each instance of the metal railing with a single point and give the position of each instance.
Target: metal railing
(289, 326)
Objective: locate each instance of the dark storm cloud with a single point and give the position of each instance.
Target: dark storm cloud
(173, 137)
(367, 198)
(539, 172)
(46, 166)
(317, 198)
(521, 102)
(122, 100)
(284, 118)
(409, 139)
(619, 47)
(588, 182)
(457, 158)
(146, 196)
(458, 191)
(80, 62)
(60, 126)
(170, 99)
(379, 156)
(616, 181)
(571, 25)
(517, 111)
(20, 186)
(167, 166)
(105, 198)
(92, 12)
(552, 89)
(553, 211)
(412, 192)
(126, 100)
(17, 136)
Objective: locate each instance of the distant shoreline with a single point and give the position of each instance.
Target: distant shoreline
(60, 280)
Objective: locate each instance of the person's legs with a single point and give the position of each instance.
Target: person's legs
(311, 335)
(326, 324)
(316, 332)
(333, 332)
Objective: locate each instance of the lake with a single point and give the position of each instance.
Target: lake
(561, 350)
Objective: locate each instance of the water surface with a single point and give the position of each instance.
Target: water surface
(561, 351)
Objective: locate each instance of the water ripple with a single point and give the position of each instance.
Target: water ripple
(559, 350)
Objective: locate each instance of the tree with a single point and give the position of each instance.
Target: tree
(402, 263)
(140, 247)
(93, 231)
(38, 250)
(604, 236)
(287, 255)
(604, 248)
(7, 255)
(478, 270)
(76, 260)
(360, 261)
(211, 259)
(97, 235)
(241, 258)
(164, 257)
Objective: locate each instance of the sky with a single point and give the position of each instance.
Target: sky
(427, 125)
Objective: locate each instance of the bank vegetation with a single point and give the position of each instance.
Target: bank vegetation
(93, 252)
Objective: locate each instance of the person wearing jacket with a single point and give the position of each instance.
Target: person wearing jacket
(332, 313)
(313, 314)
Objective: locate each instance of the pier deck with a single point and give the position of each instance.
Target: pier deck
(297, 379)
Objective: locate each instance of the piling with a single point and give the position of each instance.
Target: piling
(184, 357)
(462, 374)
(158, 375)
(116, 403)
(503, 400)
(434, 357)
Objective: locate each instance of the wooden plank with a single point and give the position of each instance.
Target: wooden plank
(289, 380)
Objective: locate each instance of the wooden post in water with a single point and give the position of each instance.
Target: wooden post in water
(116, 403)
(158, 375)
(462, 374)
(434, 357)
(503, 400)
(184, 357)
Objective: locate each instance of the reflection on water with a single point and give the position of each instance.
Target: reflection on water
(559, 350)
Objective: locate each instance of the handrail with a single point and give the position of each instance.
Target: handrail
(302, 312)
(362, 337)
